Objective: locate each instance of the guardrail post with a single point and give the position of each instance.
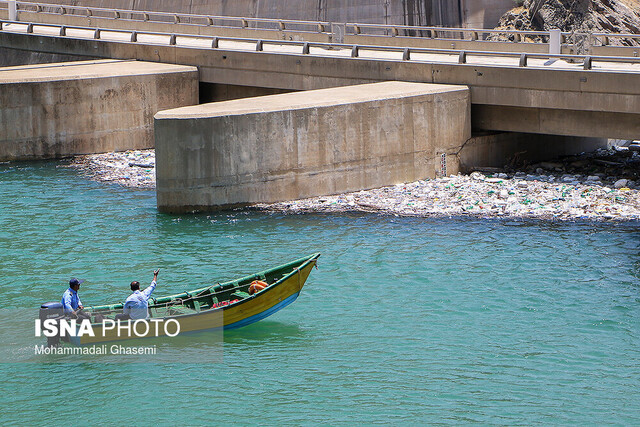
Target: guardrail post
(523, 60)
(116, 14)
(555, 42)
(305, 48)
(38, 8)
(588, 63)
(13, 10)
(134, 36)
(281, 25)
(172, 40)
(259, 46)
(88, 12)
(214, 43)
(176, 19)
(96, 33)
(462, 58)
(356, 29)
(244, 22)
(406, 54)
(209, 21)
(354, 51)
(321, 28)
(30, 28)
(63, 11)
(337, 33)
(145, 17)
(474, 36)
(394, 32)
(63, 31)
(605, 41)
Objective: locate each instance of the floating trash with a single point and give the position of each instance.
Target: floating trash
(570, 188)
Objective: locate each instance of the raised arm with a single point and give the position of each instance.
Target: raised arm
(147, 292)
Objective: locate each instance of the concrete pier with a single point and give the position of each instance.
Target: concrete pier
(58, 110)
(296, 145)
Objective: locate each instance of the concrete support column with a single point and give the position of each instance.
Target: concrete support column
(13, 10)
(555, 42)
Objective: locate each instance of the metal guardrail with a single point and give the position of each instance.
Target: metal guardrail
(604, 38)
(431, 32)
(473, 34)
(305, 47)
(177, 18)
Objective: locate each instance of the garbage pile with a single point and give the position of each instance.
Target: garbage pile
(603, 185)
(135, 168)
(596, 186)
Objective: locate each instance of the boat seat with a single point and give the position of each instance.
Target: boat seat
(239, 295)
(228, 286)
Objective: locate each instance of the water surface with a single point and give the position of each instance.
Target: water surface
(406, 321)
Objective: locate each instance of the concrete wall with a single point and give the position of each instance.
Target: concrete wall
(14, 57)
(211, 92)
(58, 110)
(485, 13)
(296, 145)
(448, 13)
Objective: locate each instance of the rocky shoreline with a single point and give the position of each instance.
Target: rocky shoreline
(595, 186)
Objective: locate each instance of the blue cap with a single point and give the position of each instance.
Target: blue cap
(75, 282)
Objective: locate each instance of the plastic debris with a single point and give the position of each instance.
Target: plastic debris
(571, 188)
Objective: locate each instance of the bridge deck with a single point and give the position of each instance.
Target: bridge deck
(328, 50)
(531, 93)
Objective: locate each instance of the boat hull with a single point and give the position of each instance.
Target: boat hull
(239, 314)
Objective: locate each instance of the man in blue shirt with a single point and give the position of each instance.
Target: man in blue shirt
(71, 303)
(137, 304)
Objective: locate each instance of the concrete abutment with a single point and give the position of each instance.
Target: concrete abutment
(297, 145)
(59, 110)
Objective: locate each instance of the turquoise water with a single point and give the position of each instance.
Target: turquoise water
(406, 321)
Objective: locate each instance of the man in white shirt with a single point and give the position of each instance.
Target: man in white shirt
(137, 304)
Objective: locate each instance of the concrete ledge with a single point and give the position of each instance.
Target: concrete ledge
(58, 110)
(296, 145)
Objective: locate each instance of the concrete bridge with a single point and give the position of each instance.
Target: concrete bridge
(510, 86)
(559, 94)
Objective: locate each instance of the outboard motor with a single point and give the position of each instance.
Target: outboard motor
(51, 310)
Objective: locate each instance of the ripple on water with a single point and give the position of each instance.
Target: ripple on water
(406, 321)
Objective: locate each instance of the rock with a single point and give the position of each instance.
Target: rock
(551, 165)
(477, 176)
(574, 16)
(593, 178)
(621, 183)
